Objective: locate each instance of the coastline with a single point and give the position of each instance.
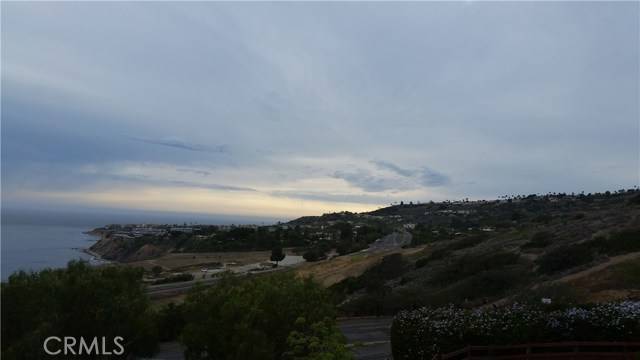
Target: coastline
(35, 246)
(95, 256)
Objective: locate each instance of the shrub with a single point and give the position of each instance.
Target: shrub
(564, 257)
(439, 254)
(422, 262)
(539, 240)
(622, 242)
(423, 333)
(389, 267)
(81, 301)
(311, 255)
(468, 242)
(170, 321)
(264, 317)
(628, 274)
(174, 278)
(470, 265)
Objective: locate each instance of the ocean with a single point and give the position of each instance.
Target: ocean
(33, 240)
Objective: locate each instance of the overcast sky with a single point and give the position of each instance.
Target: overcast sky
(296, 108)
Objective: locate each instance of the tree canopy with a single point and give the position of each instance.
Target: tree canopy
(277, 255)
(256, 319)
(81, 301)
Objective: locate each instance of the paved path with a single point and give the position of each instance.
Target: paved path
(373, 333)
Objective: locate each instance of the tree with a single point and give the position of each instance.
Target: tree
(321, 341)
(277, 255)
(311, 255)
(251, 318)
(81, 301)
(156, 270)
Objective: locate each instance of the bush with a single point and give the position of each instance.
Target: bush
(170, 321)
(426, 332)
(564, 257)
(624, 241)
(311, 255)
(540, 239)
(263, 317)
(470, 265)
(422, 262)
(468, 242)
(174, 278)
(389, 267)
(628, 274)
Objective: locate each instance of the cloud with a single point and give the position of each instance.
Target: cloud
(395, 168)
(392, 178)
(432, 178)
(198, 172)
(295, 99)
(364, 180)
(185, 145)
(331, 197)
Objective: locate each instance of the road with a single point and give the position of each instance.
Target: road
(164, 290)
(391, 241)
(182, 287)
(373, 333)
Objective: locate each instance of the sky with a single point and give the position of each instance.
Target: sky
(288, 109)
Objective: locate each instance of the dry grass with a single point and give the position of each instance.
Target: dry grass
(189, 261)
(331, 271)
(598, 283)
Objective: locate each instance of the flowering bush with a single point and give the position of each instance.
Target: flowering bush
(423, 333)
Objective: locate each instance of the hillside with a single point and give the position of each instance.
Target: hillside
(563, 247)
(568, 248)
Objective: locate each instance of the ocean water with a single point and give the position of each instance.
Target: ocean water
(35, 247)
(33, 240)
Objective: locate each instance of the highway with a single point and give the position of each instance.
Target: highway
(164, 290)
(391, 241)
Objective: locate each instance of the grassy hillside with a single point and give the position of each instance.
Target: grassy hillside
(569, 248)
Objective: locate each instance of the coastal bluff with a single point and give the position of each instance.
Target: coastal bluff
(122, 248)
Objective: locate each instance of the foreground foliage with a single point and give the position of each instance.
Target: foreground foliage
(423, 333)
(267, 317)
(79, 301)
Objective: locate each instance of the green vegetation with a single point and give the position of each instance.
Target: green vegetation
(320, 341)
(277, 255)
(174, 278)
(260, 318)
(569, 256)
(539, 240)
(373, 281)
(79, 301)
(276, 316)
(423, 333)
(468, 242)
(548, 237)
(475, 253)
